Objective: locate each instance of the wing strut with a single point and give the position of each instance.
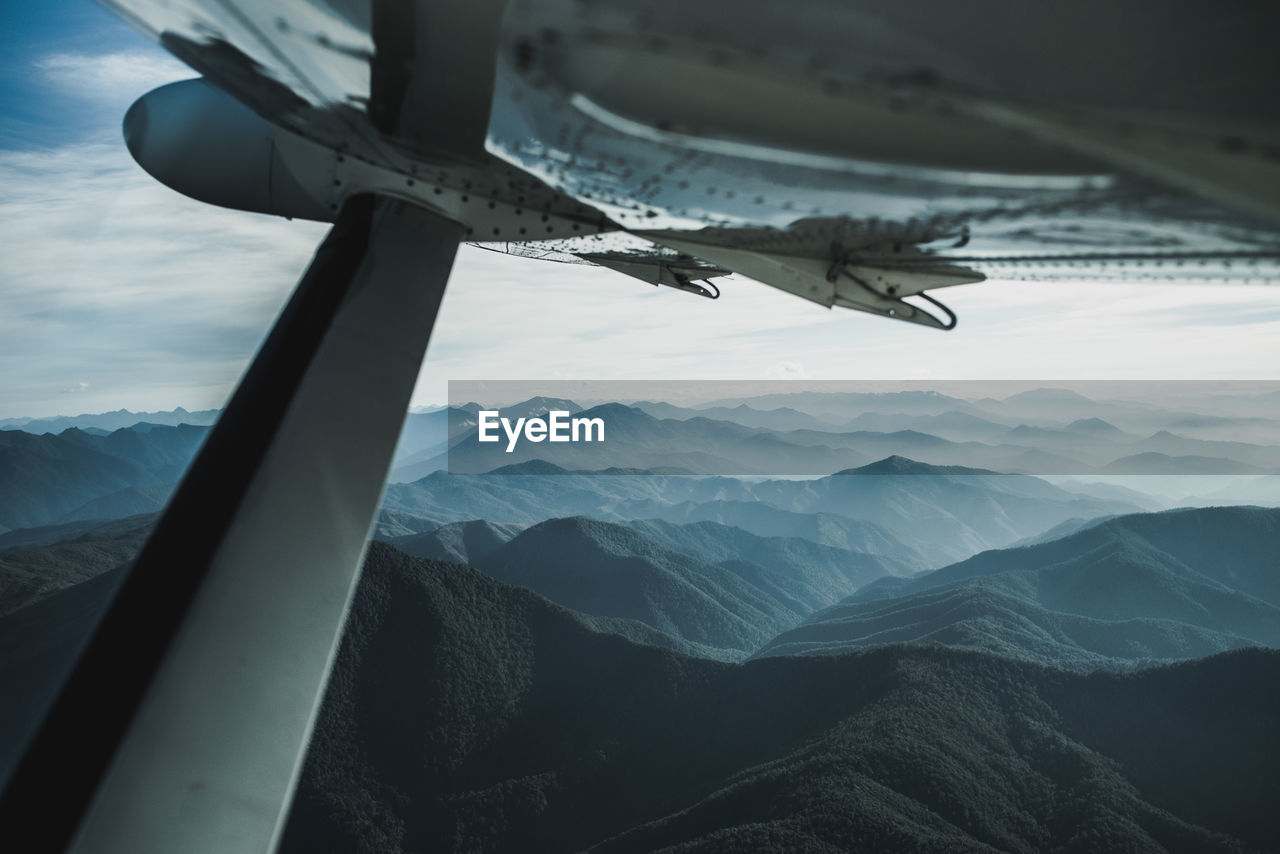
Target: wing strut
(183, 726)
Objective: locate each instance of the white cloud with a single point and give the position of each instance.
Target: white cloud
(786, 371)
(111, 75)
(151, 298)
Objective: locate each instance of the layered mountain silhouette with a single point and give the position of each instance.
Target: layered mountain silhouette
(827, 529)
(1123, 592)
(1152, 462)
(642, 660)
(467, 715)
(715, 590)
(425, 438)
(76, 475)
(739, 441)
(84, 474)
(635, 439)
(1047, 431)
(720, 588)
(956, 426)
(611, 571)
(895, 507)
(839, 407)
(825, 569)
(780, 418)
(393, 524)
(107, 422)
(956, 510)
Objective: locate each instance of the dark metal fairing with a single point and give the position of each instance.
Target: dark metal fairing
(196, 139)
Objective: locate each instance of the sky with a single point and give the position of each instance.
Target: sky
(116, 292)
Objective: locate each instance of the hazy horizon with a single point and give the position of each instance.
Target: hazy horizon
(712, 391)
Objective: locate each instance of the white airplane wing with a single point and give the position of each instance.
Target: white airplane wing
(855, 154)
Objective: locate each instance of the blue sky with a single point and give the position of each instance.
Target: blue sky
(117, 292)
(36, 111)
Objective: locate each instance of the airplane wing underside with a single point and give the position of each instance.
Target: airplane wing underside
(861, 154)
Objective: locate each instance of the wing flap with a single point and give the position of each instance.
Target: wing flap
(845, 280)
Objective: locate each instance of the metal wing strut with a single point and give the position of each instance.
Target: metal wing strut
(183, 726)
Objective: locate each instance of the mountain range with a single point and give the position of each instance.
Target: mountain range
(1116, 592)
(896, 507)
(465, 713)
(468, 715)
(458, 542)
(745, 441)
(48, 478)
(1123, 592)
(107, 422)
(740, 591)
(907, 651)
(75, 475)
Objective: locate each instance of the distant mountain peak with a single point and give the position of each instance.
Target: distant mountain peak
(1153, 462)
(1096, 426)
(554, 536)
(1049, 394)
(902, 465)
(617, 409)
(542, 403)
(531, 467)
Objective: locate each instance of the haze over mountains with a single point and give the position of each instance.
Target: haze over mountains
(896, 507)
(1129, 591)
(649, 436)
(1219, 446)
(1184, 429)
(726, 607)
(75, 475)
(108, 422)
(896, 655)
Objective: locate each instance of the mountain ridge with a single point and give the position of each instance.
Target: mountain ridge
(1125, 592)
(532, 733)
